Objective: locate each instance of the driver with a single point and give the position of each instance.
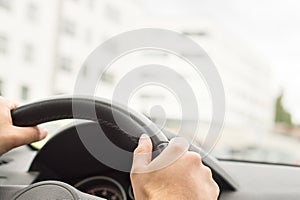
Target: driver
(175, 174)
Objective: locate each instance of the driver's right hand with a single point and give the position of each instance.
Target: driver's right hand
(175, 174)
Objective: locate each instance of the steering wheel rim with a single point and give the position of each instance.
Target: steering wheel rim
(49, 110)
(54, 109)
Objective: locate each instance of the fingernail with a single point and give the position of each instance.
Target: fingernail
(143, 138)
(43, 132)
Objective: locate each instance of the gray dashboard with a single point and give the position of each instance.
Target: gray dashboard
(263, 181)
(254, 180)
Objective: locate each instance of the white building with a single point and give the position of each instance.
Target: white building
(247, 79)
(26, 40)
(84, 26)
(44, 43)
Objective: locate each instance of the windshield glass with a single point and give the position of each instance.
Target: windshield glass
(253, 45)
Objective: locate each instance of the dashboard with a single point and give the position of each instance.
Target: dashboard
(64, 158)
(73, 164)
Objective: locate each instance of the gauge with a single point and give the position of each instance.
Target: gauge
(102, 186)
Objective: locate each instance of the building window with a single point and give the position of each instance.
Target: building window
(195, 33)
(1, 87)
(69, 28)
(84, 70)
(28, 54)
(5, 4)
(66, 64)
(3, 45)
(32, 11)
(24, 93)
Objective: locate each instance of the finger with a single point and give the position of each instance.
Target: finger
(12, 105)
(27, 135)
(176, 148)
(7, 103)
(5, 108)
(143, 153)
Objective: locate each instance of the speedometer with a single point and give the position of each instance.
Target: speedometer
(102, 186)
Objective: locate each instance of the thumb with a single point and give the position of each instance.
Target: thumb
(27, 135)
(142, 154)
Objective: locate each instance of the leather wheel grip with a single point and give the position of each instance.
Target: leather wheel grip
(62, 108)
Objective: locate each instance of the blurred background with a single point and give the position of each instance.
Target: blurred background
(254, 44)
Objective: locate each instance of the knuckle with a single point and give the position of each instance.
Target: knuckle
(35, 135)
(138, 150)
(32, 134)
(193, 158)
(176, 148)
(216, 189)
(207, 170)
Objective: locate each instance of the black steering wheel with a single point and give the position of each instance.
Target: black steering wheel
(97, 110)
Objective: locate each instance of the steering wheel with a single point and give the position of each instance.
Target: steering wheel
(97, 110)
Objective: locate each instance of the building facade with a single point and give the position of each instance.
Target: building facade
(43, 44)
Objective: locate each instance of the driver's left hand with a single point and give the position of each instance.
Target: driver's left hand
(12, 136)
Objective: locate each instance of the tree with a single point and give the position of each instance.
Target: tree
(281, 114)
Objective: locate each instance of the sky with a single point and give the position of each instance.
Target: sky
(269, 27)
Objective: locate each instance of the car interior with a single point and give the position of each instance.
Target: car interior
(98, 74)
(63, 170)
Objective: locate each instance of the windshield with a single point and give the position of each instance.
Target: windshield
(252, 44)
